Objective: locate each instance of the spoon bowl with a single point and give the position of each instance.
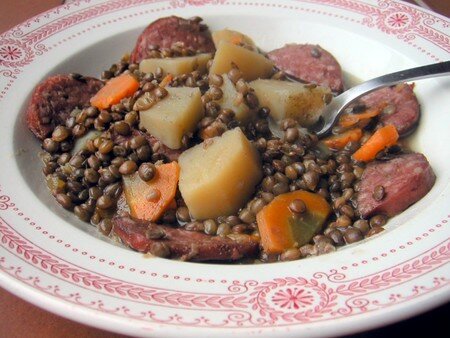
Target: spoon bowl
(338, 105)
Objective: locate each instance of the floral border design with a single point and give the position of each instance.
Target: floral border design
(21, 44)
(278, 302)
(399, 19)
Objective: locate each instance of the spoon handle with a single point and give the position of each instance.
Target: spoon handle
(339, 103)
(418, 73)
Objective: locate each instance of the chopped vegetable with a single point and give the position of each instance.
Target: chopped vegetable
(339, 141)
(229, 101)
(149, 200)
(166, 80)
(234, 37)
(236, 40)
(219, 175)
(176, 65)
(382, 138)
(174, 116)
(115, 90)
(299, 101)
(281, 228)
(349, 120)
(55, 184)
(80, 143)
(322, 151)
(253, 65)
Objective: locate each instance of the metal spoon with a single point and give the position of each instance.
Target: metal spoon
(332, 111)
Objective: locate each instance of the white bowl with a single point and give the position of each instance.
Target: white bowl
(53, 260)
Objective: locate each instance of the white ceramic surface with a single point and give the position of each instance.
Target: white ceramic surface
(56, 262)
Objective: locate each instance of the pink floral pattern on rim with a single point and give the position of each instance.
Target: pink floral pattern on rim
(399, 19)
(282, 301)
(277, 302)
(391, 17)
(293, 298)
(184, 3)
(15, 53)
(5, 202)
(10, 53)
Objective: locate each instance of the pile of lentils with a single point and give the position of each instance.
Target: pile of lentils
(88, 182)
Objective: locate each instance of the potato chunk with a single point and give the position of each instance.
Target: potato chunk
(230, 100)
(81, 142)
(252, 64)
(234, 37)
(176, 66)
(299, 101)
(202, 60)
(174, 116)
(218, 176)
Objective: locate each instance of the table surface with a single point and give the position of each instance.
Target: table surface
(18, 318)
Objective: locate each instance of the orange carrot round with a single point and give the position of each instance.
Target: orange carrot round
(236, 39)
(281, 229)
(339, 141)
(381, 139)
(115, 90)
(166, 80)
(348, 120)
(149, 200)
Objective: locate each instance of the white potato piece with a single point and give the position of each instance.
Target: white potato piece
(218, 176)
(174, 116)
(202, 60)
(176, 66)
(81, 142)
(252, 64)
(299, 101)
(230, 100)
(232, 36)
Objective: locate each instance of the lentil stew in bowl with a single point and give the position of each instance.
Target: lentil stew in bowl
(195, 147)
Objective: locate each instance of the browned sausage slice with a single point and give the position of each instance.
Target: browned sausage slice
(183, 244)
(54, 99)
(402, 108)
(309, 63)
(165, 32)
(405, 179)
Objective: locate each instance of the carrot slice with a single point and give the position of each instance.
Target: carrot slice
(166, 80)
(339, 141)
(348, 120)
(115, 90)
(382, 138)
(149, 200)
(281, 229)
(236, 39)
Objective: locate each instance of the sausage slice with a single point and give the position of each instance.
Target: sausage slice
(182, 244)
(309, 63)
(402, 108)
(405, 180)
(53, 100)
(166, 31)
